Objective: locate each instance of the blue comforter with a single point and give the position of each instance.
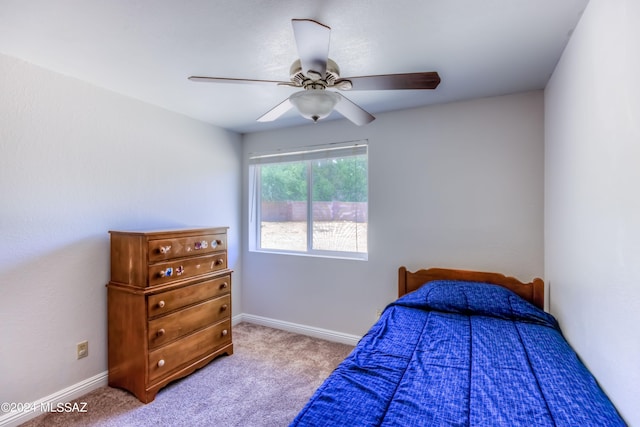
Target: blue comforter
(461, 354)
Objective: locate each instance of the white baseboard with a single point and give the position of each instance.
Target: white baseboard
(311, 331)
(13, 419)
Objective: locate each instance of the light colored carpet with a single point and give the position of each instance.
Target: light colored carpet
(266, 382)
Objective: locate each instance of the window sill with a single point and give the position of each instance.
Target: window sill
(320, 254)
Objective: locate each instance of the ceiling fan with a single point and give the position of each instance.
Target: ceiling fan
(315, 72)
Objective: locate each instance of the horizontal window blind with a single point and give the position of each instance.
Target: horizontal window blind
(310, 153)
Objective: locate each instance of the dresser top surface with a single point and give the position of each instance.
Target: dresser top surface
(186, 231)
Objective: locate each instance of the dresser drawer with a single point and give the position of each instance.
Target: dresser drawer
(166, 249)
(172, 326)
(185, 268)
(165, 302)
(170, 357)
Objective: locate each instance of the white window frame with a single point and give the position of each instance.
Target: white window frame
(335, 150)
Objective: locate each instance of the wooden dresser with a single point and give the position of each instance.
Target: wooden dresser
(169, 306)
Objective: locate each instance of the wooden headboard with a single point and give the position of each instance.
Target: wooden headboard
(409, 282)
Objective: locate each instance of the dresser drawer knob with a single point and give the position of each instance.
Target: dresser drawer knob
(225, 333)
(168, 272)
(224, 307)
(160, 332)
(164, 249)
(160, 363)
(219, 261)
(225, 285)
(201, 245)
(161, 304)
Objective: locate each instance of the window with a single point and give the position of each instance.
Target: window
(310, 201)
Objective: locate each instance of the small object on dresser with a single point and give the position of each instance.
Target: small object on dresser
(168, 306)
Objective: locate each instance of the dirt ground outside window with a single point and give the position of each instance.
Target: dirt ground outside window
(342, 236)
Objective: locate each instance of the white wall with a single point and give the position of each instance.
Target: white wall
(592, 197)
(457, 185)
(75, 162)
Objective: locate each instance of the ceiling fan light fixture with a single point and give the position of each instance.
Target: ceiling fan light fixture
(314, 104)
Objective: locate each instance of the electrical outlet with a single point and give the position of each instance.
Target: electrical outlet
(82, 350)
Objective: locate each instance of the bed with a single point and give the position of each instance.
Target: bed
(461, 348)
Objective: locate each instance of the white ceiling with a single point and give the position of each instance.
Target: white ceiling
(146, 49)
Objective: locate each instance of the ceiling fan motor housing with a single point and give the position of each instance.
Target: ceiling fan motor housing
(313, 79)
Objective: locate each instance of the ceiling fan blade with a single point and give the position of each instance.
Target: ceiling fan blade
(276, 111)
(312, 40)
(426, 80)
(352, 111)
(240, 81)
